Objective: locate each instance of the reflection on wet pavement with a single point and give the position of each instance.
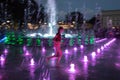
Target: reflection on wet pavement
(100, 61)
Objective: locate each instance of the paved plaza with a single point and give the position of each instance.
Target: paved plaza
(100, 61)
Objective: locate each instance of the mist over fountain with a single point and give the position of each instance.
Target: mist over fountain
(49, 29)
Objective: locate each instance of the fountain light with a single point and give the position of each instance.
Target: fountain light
(93, 54)
(24, 48)
(27, 53)
(81, 46)
(105, 45)
(98, 50)
(101, 40)
(43, 49)
(72, 68)
(66, 51)
(5, 51)
(53, 54)
(110, 42)
(32, 62)
(85, 59)
(75, 48)
(93, 58)
(102, 47)
(2, 58)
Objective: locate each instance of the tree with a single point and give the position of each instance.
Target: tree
(92, 20)
(40, 15)
(17, 9)
(76, 17)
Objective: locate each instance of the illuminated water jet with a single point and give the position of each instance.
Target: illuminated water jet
(32, 62)
(72, 68)
(85, 59)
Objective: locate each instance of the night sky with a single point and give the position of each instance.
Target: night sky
(64, 6)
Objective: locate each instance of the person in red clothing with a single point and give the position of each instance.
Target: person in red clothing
(57, 46)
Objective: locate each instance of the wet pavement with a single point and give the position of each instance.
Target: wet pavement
(100, 61)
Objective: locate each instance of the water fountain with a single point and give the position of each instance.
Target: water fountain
(32, 62)
(75, 48)
(43, 49)
(66, 51)
(49, 29)
(51, 10)
(85, 59)
(98, 50)
(72, 68)
(93, 54)
(5, 51)
(102, 48)
(81, 46)
(26, 53)
(2, 60)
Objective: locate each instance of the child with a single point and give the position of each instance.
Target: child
(57, 46)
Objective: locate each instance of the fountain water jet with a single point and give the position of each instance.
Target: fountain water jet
(51, 10)
(85, 59)
(66, 51)
(72, 68)
(32, 62)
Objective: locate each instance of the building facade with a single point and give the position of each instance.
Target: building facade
(110, 18)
